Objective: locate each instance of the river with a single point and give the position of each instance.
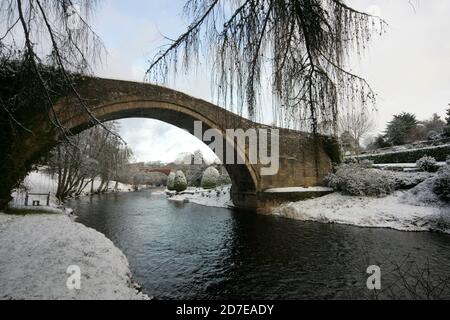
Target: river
(188, 251)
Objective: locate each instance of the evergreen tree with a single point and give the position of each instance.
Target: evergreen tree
(401, 129)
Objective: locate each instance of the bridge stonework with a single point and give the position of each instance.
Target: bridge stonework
(304, 159)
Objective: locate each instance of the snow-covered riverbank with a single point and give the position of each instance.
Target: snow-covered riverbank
(37, 249)
(219, 197)
(387, 212)
(401, 211)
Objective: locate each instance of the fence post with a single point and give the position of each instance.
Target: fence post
(48, 199)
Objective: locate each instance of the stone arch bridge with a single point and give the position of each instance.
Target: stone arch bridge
(304, 160)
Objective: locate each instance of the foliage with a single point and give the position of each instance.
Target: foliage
(379, 143)
(427, 164)
(440, 153)
(171, 181)
(301, 46)
(179, 182)
(435, 123)
(441, 184)
(352, 179)
(210, 178)
(401, 129)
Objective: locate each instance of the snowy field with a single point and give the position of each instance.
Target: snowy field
(37, 250)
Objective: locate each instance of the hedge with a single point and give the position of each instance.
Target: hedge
(440, 153)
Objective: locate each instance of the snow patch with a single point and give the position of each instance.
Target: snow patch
(219, 197)
(388, 212)
(37, 249)
(299, 189)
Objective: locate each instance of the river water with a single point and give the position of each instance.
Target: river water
(187, 251)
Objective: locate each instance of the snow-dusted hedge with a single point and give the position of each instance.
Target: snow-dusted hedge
(427, 164)
(170, 181)
(210, 178)
(353, 179)
(440, 153)
(441, 184)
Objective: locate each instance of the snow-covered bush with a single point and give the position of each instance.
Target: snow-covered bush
(179, 183)
(433, 135)
(355, 180)
(210, 178)
(441, 184)
(366, 163)
(170, 181)
(427, 164)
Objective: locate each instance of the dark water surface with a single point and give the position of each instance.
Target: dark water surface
(187, 251)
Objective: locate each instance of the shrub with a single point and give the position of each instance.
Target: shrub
(170, 181)
(358, 181)
(441, 186)
(366, 163)
(210, 178)
(427, 164)
(440, 153)
(179, 183)
(433, 135)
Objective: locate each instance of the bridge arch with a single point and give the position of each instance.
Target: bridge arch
(113, 100)
(304, 160)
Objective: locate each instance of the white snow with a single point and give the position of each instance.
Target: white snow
(37, 249)
(299, 189)
(401, 149)
(388, 212)
(218, 197)
(39, 182)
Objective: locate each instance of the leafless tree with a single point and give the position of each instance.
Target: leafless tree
(356, 123)
(304, 45)
(94, 153)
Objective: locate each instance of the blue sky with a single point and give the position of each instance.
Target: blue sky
(409, 67)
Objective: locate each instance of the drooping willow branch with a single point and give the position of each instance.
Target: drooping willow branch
(301, 47)
(47, 55)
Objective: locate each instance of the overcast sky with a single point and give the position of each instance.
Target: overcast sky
(408, 67)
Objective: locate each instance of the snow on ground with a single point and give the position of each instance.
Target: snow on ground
(39, 182)
(298, 189)
(404, 165)
(393, 211)
(37, 249)
(218, 197)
